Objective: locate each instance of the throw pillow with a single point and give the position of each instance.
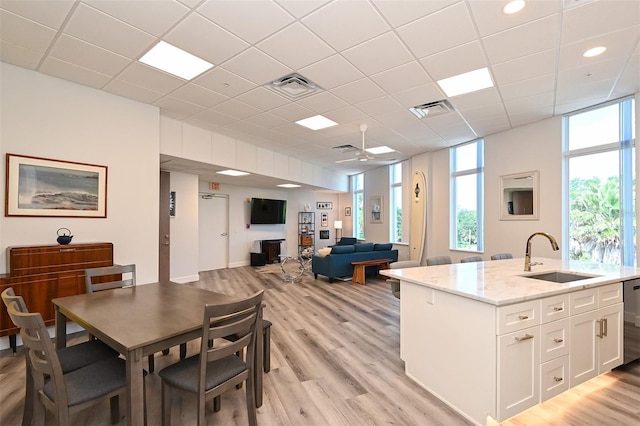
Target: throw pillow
(383, 247)
(324, 251)
(364, 247)
(342, 249)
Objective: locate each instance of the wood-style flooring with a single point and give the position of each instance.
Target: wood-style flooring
(335, 361)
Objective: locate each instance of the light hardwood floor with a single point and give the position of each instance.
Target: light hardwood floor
(335, 361)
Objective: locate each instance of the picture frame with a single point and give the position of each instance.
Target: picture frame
(324, 219)
(376, 208)
(42, 187)
(324, 205)
(324, 234)
(172, 204)
(347, 211)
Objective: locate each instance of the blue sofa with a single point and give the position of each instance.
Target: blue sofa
(338, 263)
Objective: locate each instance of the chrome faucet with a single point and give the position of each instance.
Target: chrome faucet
(527, 255)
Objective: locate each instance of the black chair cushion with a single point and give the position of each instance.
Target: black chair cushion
(184, 374)
(92, 381)
(83, 354)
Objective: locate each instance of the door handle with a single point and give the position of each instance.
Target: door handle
(224, 234)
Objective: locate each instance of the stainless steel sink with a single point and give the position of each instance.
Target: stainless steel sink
(559, 276)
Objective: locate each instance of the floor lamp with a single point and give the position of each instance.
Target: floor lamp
(337, 224)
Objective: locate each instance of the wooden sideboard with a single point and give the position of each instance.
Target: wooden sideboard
(42, 273)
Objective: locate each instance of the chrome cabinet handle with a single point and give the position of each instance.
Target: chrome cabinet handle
(557, 379)
(526, 337)
(523, 317)
(558, 308)
(600, 333)
(605, 323)
(558, 340)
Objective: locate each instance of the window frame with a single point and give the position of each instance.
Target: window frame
(396, 199)
(357, 182)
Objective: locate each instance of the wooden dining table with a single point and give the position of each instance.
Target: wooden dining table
(142, 320)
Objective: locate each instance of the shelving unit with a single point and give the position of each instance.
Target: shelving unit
(306, 233)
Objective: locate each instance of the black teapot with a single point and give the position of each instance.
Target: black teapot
(64, 236)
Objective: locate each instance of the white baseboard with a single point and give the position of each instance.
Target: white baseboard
(187, 279)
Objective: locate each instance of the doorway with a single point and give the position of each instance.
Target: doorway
(213, 232)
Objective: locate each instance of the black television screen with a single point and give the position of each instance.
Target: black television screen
(265, 211)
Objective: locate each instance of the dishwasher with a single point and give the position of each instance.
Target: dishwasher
(631, 298)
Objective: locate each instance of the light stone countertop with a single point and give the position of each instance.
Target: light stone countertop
(502, 282)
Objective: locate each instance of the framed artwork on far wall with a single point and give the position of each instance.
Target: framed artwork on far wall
(347, 211)
(324, 235)
(54, 188)
(376, 209)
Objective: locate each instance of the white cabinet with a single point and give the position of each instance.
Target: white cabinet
(596, 334)
(518, 366)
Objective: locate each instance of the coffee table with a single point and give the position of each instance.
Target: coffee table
(360, 268)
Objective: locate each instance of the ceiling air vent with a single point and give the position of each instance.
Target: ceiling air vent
(432, 108)
(346, 148)
(294, 86)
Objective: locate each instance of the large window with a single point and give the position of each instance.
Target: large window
(599, 152)
(395, 184)
(358, 206)
(467, 187)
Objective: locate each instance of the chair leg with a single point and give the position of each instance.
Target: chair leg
(151, 363)
(114, 402)
(251, 402)
(166, 404)
(183, 350)
(30, 395)
(266, 349)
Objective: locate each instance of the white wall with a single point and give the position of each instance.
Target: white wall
(47, 117)
(184, 228)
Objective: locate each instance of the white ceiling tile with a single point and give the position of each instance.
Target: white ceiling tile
(590, 72)
(263, 99)
(334, 23)
(358, 91)
(454, 61)
(378, 54)
(224, 82)
(439, 31)
(489, 96)
(345, 115)
(293, 129)
(378, 106)
(257, 67)
(598, 91)
(618, 43)
(73, 50)
(165, 13)
(599, 17)
(490, 18)
(414, 129)
(215, 118)
(98, 28)
(23, 32)
(395, 119)
(131, 91)
(530, 87)
(198, 95)
(401, 78)
(332, 72)
(268, 120)
(177, 108)
(322, 102)
(292, 112)
(301, 8)
(485, 112)
(252, 20)
(236, 109)
(49, 13)
(296, 47)
(203, 38)
(151, 78)
(526, 39)
(525, 67)
(490, 126)
(531, 116)
(74, 73)
(419, 95)
(18, 55)
(543, 101)
(451, 127)
(401, 12)
(629, 81)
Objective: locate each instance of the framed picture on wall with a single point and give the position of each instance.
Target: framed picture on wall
(45, 187)
(347, 211)
(376, 209)
(324, 220)
(324, 235)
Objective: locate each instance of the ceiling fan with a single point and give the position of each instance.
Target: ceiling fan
(362, 155)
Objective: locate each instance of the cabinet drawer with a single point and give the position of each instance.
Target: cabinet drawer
(583, 301)
(517, 317)
(554, 377)
(554, 308)
(609, 294)
(555, 339)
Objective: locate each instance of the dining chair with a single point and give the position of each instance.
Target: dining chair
(394, 282)
(66, 394)
(502, 256)
(266, 344)
(71, 358)
(119, 276)
(438, 260)
(470, 259)
(218, 368)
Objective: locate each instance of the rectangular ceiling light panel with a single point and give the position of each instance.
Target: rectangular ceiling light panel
(467, 82)
(317, 122)
(173, 60)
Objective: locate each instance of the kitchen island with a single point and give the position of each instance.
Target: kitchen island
(490, 341)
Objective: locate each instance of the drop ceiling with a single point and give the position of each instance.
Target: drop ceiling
(372, 61)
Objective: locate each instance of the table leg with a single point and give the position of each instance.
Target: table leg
(135, 388)
(359, 274)
(61, 329)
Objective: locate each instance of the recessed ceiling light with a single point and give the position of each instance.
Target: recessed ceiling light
(289, 185)
(173, 60)
(317, 122)
(376, 150)
(595, 51)
(467, 82)
(514, 6)
(232, 173)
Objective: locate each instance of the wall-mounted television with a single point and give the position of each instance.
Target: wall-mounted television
(265, 211)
